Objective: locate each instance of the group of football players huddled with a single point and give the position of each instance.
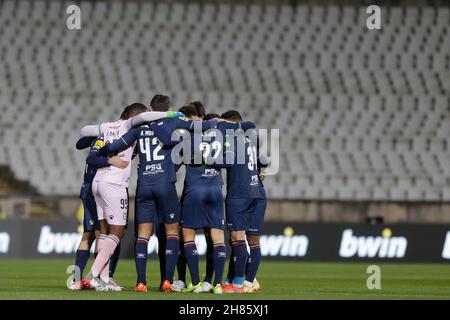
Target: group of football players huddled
(205, 144)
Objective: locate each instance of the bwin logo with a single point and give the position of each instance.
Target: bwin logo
(288, 245)
(222, 254)
(171, 215)
(169, 251)
(141, 256)
(57, 242)
(371, 247)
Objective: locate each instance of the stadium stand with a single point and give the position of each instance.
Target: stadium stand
(363, 115)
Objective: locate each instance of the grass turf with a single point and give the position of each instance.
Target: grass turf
(45, 279)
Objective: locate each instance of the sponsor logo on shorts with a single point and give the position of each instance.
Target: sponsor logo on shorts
(140, 256)
(172, 215)
(153, 169)
(255, 181)
(210, 173)
(91, 222)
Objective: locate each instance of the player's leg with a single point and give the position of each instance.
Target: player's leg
(115, 198)
(239, 245)
(114, 261)
(181, 264)
(160, 232)
(145, 216)
(219, 256)
(191, 253)
(253, 238)
(214, 221)
(116, 255)
(238, 221)
(209, 256)
(90, 281)
(172, 251)
(253, 263)
(109, 245)
(230, 273)
(192, 219)
(81, 259)
(169, 211)
(141, 252)
(90, 225)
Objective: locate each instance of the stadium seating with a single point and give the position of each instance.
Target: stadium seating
(363, 114)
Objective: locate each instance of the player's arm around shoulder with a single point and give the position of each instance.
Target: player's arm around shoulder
(84, 142)
(123, 143)
(94, 130)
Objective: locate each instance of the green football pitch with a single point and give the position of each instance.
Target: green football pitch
(46, 279)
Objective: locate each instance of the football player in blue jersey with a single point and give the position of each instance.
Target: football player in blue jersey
(198, 185)
(90, 220)
(202, 207)
(156, 192)
(255, 225)
(243, 197)
(207, 280)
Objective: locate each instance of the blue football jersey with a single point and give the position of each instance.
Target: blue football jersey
(243, 176)
(242, 172)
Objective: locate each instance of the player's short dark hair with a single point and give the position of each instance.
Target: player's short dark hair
(201, 111)
(210, 116)
(189, 110)
(232, 115)
(133, 110)
(160, 102)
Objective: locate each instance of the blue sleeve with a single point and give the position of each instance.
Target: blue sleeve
(85, 142)
(163, 130)
(209, 124)
(247, 125)
(94, 160)
(122, 144)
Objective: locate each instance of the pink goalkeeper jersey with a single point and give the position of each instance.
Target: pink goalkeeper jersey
(113, 131)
